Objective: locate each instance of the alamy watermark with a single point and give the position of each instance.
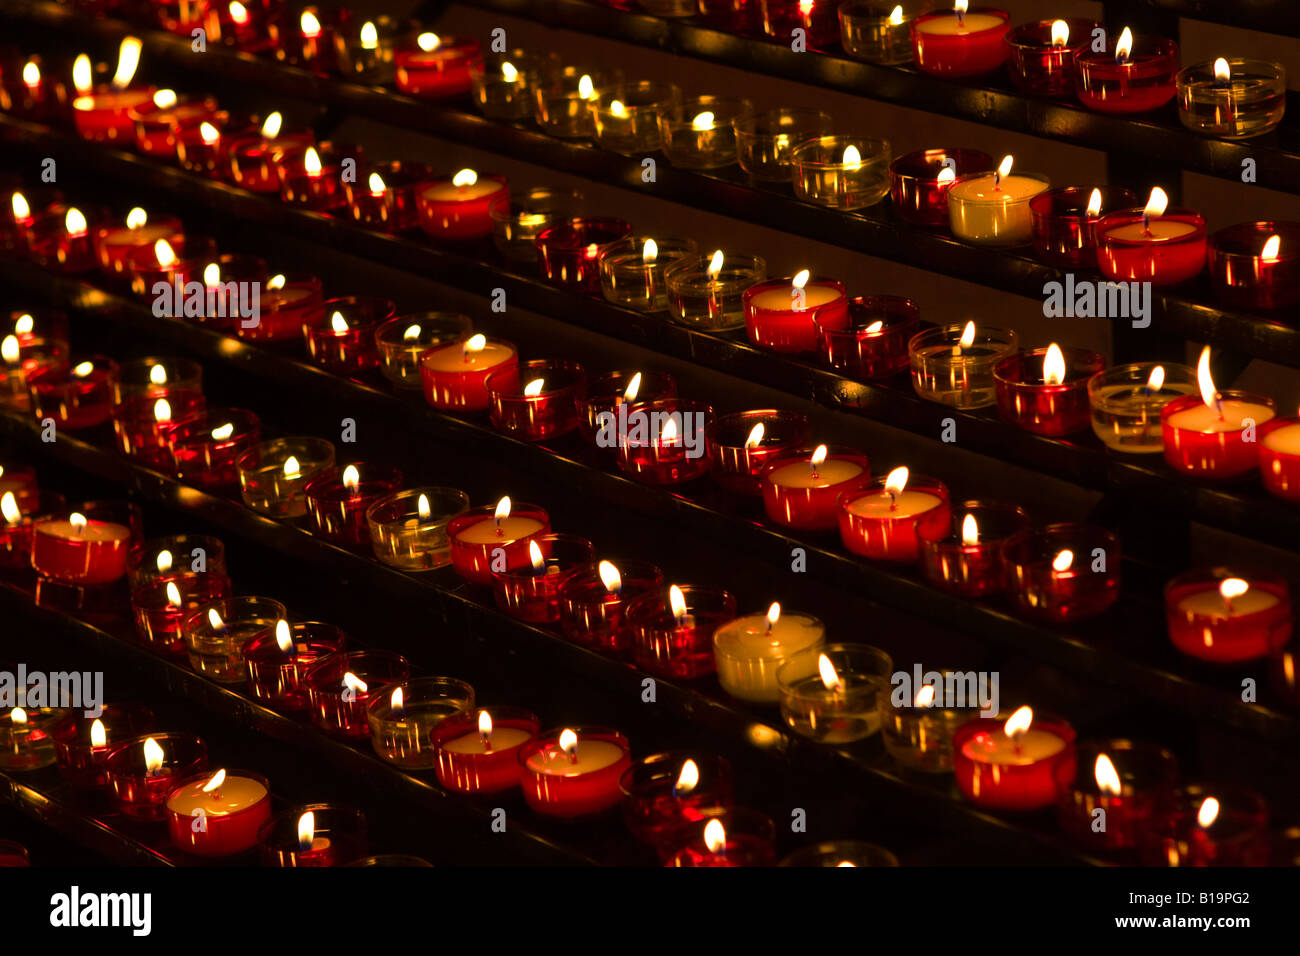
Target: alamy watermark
(71, 690)
(1088, 299)
(953, 690)
(197, 300)
(661, 429)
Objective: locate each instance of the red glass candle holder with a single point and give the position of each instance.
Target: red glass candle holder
(818, 19)
(1062, 572)
(532, 592)
(104, 115)
(739, 450)
(741, 17)
(1225, 618)
(598, 408)
(337, 702)
(454, 377)
(153, 377)
(439, 72)
(1063, 225)
(1237, 836)
(228, 283)
(113, 243)
(279, 657)
(141, 775)
(336, 837)
(19, 361)
(661, 794)
(384, 200)
(665, 442)
(81, 750)
(968, 559)
(1279, 457)
(253, 160)
(1024, 771)
(1247, 275)
(156, 125)
(142, 423)
(14, 854)
(919, 187)
(873, 342)
(569, 252)
(63, 247)
(182, 17)
(576, 782)
(341, 337)
(1040, 65)
(1113, 803)
(27, 741)
(19, 213)
(748, 838)
(288, 303)
(593, 603)
(785, 318)
(678, 645)
(151, 277)
(890, 526)
(475, 755)
(482, 543)
(176, 554)
(952, 45)
(1144, 80)
(201, 150)
(306, 38)
(206, 447)
(549, 413)
(338, 507)
(74, 396)
(163, 605)
(91, 551)
(231, 812)
(800, 494)
(1212, 442)
(20, 481)
(402, 717)
(16, 534)
(1168, 250)
(319, 189)
(450, 210)
(1026, 400)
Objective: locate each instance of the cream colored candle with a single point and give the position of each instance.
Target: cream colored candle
(776, 300)
(1285, 440)
(952, 26)
(233, 796)
(1206, 420)
(749, 650)
(1160, 230)
(1210, 603)
(902, 505)
(801, 474)
(90, 531)
(502, 738)
(1026, 748)
(986, 209)
(591, 755)
(447, 191)
(491, 531)
(454, 358)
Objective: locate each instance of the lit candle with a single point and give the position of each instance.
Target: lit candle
(960, 42)
(1228, 619)
(801, 490)
(993, 208)
(1022, 765)
(478, 752)
(750, 649)
(574, 772)
(1214, 436)
(889, 523)
(218, 814)
(783, 314)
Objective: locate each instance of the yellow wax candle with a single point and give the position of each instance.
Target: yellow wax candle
(1285, 440)
(454, 358)
(510, 529)
(503, 738)
(592, 755)
(986, 209)
(800, 474)
(235, 794)
(90, 531)
(447, 191)
(952, 26)
(1210, 603)
(903, 505)
(1026, 748)
(775, 300)
(1207, 420)
(748, 652)
(1160, 230)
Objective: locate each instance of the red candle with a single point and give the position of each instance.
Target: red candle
(664, 792)
(279, 657)
(385, 200)
(287, 304)
(1065, 220)
(1120, 788)
(60, 240)
(919, 182)
(165, 267)
(341, 337)
(1227, 619)
(487, 540)
(457, 208)
(163, 604)
(1062, 572)
(872, 343)
(818, 19)
(158, 121)
(308, 181)
(1128, 76)
(1209, 825)
(802, 487)
(735, 836)
(1256, 265)
(254, 158)
(205, 447)
(337, 501)
(141, 423)
(434, 66)
(573, 772)
(79, 549)
(82, 743)
(532, 592)
(889, 518)
(17, 522)
(536, 401)
(478, 751)
(314, 835)
(340, 686)
(1026, 763)
(218, 814)
(594, 602)
(455, 377)
(227, 294)
(1042, 54)
(968, 560)
(598, 408)
(1045, 391)
(672, 633)
(183, 17)
(1279, 457)
(199, 149)
(783, 314)
(1214, 436)
(309, 42)
(73, 396)
(114, 243)
(105, 114)
(960, 43)
(20, 481)
(142, 772)
(741, 444)
(1156, 244)
(569, 252)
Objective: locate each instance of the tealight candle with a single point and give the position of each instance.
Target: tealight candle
(286, 304)
(340, 687)
(672, 632)
(666, 791)
(531, 592)
(74, 396)
(141, 422)
(518, 219)
(215, 634)
(562, 105)
(1127, 76)
(723, 837)
(487, 540)
(1279, 457)
(337, 501)
(741, 444)
(172, 262)
(749, 650)
(765, 141)
(27, 736)
(201, 150)
(1127, 401)
(873, 342)
(594, 601)
(1065, 219)
(1256, 265)
(1121, 786)
(455, 376)
(1232, 98)
(842, 172)
(18, 361)
(158, 121)
(992, 208)
(178, 553)
(408, 530)
(816, 18)
(103, 113)
(801, 487)
(889, 518)
(573, 772)
(313, 835)
(1213, 435)
(403, 716)
(834, 693)
(277, 659)
(961, 43)
(114, 243)
(142, 772)
(402, 342)
(273, 475)
(1045, 391)
(665, 442)
(569, 252)
(918, 730)
(877, 32)
(16, 526)
(699, 133)
(162, 606)
(87, 547)
(309, 42)
(30, 91)
(1021, 761)
(225, 278)
(477, 751)
(206, 447)
(837, 853)
(535, 401)
(384, 198)
(341, 337)
(82, 744)
(1208, 825)
(968, 560)
(707, 292)
(1062, 572)
(1155, 244)
(61, 241)
(504, 87)
(1042, 54)
(436, 66)
(626, 120)
(953, 364)
(783, 314)
(1222, 618)
(244, 26)
(599, 408)
(366, 52)
(457, 208)
(919, 182)
(633, 276)
(218, 814)
(310, 178)
(253, 158)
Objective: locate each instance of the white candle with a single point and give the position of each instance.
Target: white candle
(952, 26)
(1025, 748)
(783, 299)
(1160, 230)
(90, 531)
(454, 358)
(1285, 440)
(235, 794)
(801, 474)
(1210, 603)
(903, 505)
(1202, 418)
(503, 738)
(591, 755)
(491, 531)
(447, 191)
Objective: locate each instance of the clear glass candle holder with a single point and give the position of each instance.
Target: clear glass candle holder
(598, 409)
(364, 47)
(276, 669)
(678, 646)
(918, 733)
(1249, 102)
(338, 837)
(874, 345)
(666, 441)
(1062, 572)
(408, 530)
(750, 839)
(536, 400)
(518, 219)
(531, 592)
(1245, 277)
(27, 742)
(919, 195)
(1063, 224)
(341, 686)
(403, 340)
(699, 133)
(827, 173)
(402, 717)
(632, 272)
(765, 141)
(626, 120)
(215, 635)
(945, 371)
(660, 794)
(841, 853)
(593, 607)
(1126, 408)
(504, 85)
(987, 210)
(708, 299)
(872, 32)
(273, 475)
(140, 789)
(1041, 66)
(847, 710)
(569, 252)
(81, 759)
(562, 107)
(739, 449)
(968, 561)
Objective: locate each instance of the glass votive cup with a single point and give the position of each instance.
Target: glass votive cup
(765, 141)
(817, 19)
(504, 85)
(593, 610)
(1166, 251)
(919, 195)
(740, 17)
(631, 275)
(205, 447)
(750, 840)
(870, 30)
(338, 837)
(665, 442)
(74, 396)
(454, 377)
(81, 758)
(341, 686)
(699, 132)
(1039, 65)
(338, 509)
(985, 210)
(968, 561)
(28, 743)
(661, 794)
(273, 475)
(1210, 623)
(708, 299)
(403, 340)
(1200, 444)
(51, 246)
(388, 204)
(287, 303)
(1112, 804)
(678, 646)
(1244, 277)
(449, 211)
(402, 717)
(980, 47)
(751, 649)
(63, 553)
(16, 536)
(945, 371)
(531, 592)
(1028, 401)
(21, 361)
(884, 525)
(253, 161)
(578, 782)
(364, 48)
(626, 120)
(347, 349)
(162, 605)
(275, 672)
(215, 644)
(138, 789)
(598, 408)
(481, 542)
(408, 530)
(1086, 583)
(1062, 228)
(1126, 409)
(536, 400)
(562, 107)
(1144, 80)
(1279, 458)
(739, 451)
(518, 219)
(849, 710)
(1031, 771)
(918, 732)
(800, 494)
(476, 751)
(824, 172)
(1238, 835)
(1249, 103)
(783, 318)
(874, 345)
(569, 252)
(440, 73)
(841, 853)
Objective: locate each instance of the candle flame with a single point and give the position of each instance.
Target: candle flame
(82, 76)
(715, 264)
(397, 701)
(23, 325)
(222, 432)
(1063, 560)
(82, 369)
(163, 562)
(98, 735)
(1094, 203)
(351, 477)
(209, 133)
(212, 274)
(818, 456)
(1272, 246)
(896, 15)
(534, 388)
(830, 679)
(715, 836)
(271, 127)
(755, 436)
(801, 279)
(1106, 776)
(1205, 379)
(610, 577)
(377, 186)
(677, 602)
(946, 175)
(703, 121)
(10, 351)
(428, 42)
(1156, 380)
(475, 343)
(238, 13)
(292, 469)
(283, 636)
(1208, 813)
(688, 779)
(153, 756)
(162, 410)
(466, 177)
(75, 223)
(1019, 722)
(1054, 365)
(18, 716)
(925, 696)
(9, 508)
(896, 480)
(961, 6)
(215, 621)
(311, 162)
(217, 780)
(1004, 167)
(137, 218)
(502, 511)
(511, 75)
(650, 251)
(369, 36)
(354, 683)
(20, 207)
(306, 831)
(668, 435)
(967, 336)
(165, 254)
(1222, 72)
(77, 520)
(484, 724)
(338, 323)
(535, 556)
(617, 108)
(412, 334)
(1060, 33)
(852, 159)
(970, 530)
(586, 88)
(773, 615)
(1230, 588)
(1124, 45)
(310, 25)
(165, 99)
(633, 388)
(568, 742)
(128, 58)
(1156, 204)
(173, 594)
(31, 74)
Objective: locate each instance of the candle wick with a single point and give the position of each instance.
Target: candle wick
(1218, 405)
(893, 499)
(961, 17)
(1146, 223)
(487, 742)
